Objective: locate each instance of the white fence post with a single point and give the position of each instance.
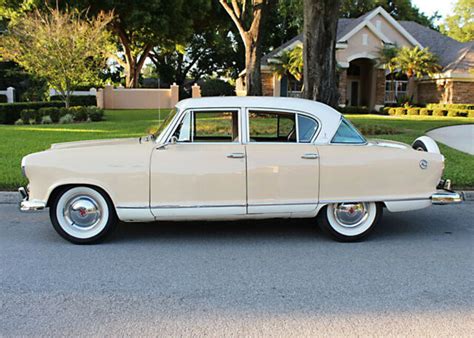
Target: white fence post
(10, 94)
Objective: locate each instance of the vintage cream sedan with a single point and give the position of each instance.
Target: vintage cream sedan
(233, 158)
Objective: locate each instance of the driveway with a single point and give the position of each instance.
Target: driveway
(414, 276)
(457, 137)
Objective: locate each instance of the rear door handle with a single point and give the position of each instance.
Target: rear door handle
(236, 155)
(310, 156)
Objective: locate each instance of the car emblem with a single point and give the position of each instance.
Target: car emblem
(83, 212)
(423, 164)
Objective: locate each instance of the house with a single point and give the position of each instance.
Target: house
(364, 82)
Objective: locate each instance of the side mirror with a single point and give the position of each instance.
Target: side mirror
(173, 140)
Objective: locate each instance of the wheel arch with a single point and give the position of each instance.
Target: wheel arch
(57, 189)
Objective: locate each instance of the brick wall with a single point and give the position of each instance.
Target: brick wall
(343, 86)
(267, 84)
(379, 86)
(447, 92)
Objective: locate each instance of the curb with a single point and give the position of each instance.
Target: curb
(10, 197)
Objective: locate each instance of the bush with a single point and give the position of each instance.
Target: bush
(217, 87)
(66, 119)
(385, 110)
(10, 112)
(19, 122)
(3, 98)
(425, 111)
(52, 112)
(392, 111)
(470, 113)
(400, 111)
(95, 114)
(413, 111)
(76, 100)
(79, 113)
(354, 110)
(438, 112)
(46, 120)
(442, 106)
(26, 115)
(458, 113)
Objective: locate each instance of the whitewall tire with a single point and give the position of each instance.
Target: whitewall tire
(82, 215)
(348, 222)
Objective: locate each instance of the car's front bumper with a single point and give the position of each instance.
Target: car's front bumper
(28, 205)
(445, 195)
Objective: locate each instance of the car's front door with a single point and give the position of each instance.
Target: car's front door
(203, 173)
(282, 162)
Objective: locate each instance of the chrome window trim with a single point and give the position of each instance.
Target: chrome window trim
(278, 110)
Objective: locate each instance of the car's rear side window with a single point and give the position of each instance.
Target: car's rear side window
(307, 127)
(347, 133)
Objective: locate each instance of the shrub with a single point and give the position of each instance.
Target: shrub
(458, 113)
(425, 111)
(10, 112)
(46, 120)
(217, 87)
(392, 111)
(3, 98)
(443, 106)
(19, 122)
(400, 111)
(66, 119)
(385, 110)
(26, 115)
(95, 114)
(76, 100)
(79, 113)
(438, 112)
(470, 113)
(52, 112)
(354, 110)
(413, 111)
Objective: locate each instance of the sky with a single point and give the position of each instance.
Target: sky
(443, 7)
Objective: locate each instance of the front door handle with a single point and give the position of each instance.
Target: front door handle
(310, 156)
(236, 155)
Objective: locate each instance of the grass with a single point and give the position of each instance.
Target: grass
(18, 141)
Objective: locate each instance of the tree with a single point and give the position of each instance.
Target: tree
(387, 58)
(139, 27)
(320, 25)
(460, 25)
(416, 62)
(289, 63)
(250, 30)
(65, 48)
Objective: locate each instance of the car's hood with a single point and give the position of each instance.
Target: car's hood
(95, 143)
(387, 143)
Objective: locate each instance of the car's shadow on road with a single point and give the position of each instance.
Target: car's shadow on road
(392, 226)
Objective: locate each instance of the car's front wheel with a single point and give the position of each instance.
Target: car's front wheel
(82, 215)
(349, 222)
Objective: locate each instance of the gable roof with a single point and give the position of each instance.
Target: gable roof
(452, 54)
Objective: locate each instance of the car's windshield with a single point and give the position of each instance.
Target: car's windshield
(165, 123)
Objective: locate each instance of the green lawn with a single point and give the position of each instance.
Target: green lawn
(17, 141)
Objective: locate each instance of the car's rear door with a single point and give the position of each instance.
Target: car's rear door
(282, 162)
(203, 174)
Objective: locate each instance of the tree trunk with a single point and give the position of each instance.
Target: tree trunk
(411, 88)
(319, 56)
(253, 79)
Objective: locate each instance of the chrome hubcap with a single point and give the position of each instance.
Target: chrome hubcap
(350, 215)
(82, 212)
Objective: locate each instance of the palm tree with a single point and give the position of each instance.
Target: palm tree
(386, 58)
(416, 62)
(289, 62)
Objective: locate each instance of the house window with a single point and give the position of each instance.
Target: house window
(294, 87)
(395, 89)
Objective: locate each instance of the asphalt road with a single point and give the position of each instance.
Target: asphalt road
(414, 276)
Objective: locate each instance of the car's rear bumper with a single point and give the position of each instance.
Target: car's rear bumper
(445, 195)
(28, 205)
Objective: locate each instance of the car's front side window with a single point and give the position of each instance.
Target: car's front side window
(208, 126)
(348, 134)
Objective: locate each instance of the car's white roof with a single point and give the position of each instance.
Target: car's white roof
(329, 117)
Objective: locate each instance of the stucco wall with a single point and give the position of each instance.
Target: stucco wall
(137, 98)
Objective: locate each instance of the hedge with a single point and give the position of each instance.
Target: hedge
(10, 112)
(78, 114)
(451, 110)
(354, 110)
(450, 106)
(76, 100)
(3, 99)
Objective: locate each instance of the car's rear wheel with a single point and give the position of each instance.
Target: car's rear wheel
(82, 215)
(348, 222)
